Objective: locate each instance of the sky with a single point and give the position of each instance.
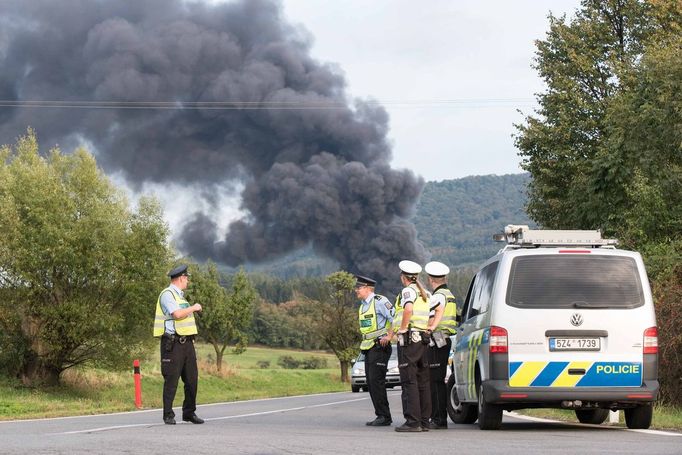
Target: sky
(350, 107)
(452, 74)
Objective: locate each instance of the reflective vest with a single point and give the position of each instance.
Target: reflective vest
(183, 327)
(398, 316)
(420, 311)
(368, 324)
(448, 323)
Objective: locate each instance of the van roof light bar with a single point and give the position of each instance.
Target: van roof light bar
(521, 235)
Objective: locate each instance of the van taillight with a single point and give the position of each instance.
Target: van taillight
(651, 341)
(498, 340)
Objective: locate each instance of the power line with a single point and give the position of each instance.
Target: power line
(262, 105)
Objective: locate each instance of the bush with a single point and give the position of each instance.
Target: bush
(288, 362)
(263, 364)
(314, 363)
(668, 295)
(311, 363)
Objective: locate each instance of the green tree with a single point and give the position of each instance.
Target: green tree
(583, 63)
(79, 269)
(226, 315)
(605, 148)
(338, 320)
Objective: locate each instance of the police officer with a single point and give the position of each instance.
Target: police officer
(174, 323)
(413, 336)
(375, 316)
(445, 323)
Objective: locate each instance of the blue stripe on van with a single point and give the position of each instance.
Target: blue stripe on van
(549, 374)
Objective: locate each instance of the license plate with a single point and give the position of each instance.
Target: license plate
(574, 344)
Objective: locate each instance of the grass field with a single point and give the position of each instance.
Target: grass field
(665, 417)
(93, 391)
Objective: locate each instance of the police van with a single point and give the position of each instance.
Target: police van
(557, 319)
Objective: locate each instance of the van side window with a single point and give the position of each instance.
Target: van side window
(480, 295)
(467, 301)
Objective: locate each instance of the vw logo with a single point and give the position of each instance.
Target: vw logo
(576, 319)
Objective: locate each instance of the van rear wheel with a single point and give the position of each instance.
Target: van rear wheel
(489, 415)
(459, 412)
(639, 417)
(593, 416)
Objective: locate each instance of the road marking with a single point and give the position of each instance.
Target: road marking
(158, 409)
(252, 414)
(539, 419)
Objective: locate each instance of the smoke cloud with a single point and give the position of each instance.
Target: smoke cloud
(206, 95)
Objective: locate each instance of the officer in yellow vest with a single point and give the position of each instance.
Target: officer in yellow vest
(444, 320)
(413, 338)
(375, 316)
(174, 323)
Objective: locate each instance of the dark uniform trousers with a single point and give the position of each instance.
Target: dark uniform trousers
(438, 363)
(179, 360)
(376, 364)
(414, 380)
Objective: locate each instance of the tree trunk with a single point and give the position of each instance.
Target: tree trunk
(35, 370)
(218, 356)
(344, 370)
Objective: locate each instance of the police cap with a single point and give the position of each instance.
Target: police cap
(410, 267)
(178, 271)
(436, 269)
(364, 281)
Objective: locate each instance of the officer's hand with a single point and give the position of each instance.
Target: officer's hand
(196, 307)
(384, 340)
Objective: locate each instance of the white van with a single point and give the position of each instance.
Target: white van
(557, 319)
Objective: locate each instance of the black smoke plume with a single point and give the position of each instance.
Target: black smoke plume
(206, 95)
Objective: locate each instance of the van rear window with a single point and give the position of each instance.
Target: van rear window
(574, 281)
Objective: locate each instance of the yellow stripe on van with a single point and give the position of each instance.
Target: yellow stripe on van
(570, 380)
(526, 373)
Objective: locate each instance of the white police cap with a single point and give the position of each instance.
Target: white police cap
(435, 268)
(410, 267)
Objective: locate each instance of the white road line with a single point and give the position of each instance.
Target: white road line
(298, 408)
(539, 419)
(141, 411)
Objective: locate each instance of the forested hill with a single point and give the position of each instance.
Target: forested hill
(456, 219)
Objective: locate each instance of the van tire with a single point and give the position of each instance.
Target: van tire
(489, 415)
(593, 416)
(639, 417)
(462, 413)
(355, 388)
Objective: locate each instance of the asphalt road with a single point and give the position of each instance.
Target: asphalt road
(328, 423)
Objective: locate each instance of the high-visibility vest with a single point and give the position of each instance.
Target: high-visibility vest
(398, 316)
(448, 322)
(183, 327)
(420, 311)
(368, 324)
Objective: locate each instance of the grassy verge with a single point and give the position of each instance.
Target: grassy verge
(665, 417)
(93, 391)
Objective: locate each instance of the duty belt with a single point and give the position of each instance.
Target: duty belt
(374, 334)
(182, 339)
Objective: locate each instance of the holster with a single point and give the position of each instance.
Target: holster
(169, 341)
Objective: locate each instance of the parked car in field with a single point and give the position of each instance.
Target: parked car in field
(358, 380)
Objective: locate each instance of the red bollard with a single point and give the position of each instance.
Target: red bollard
(138, 384)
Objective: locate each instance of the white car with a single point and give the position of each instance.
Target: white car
(358, 380)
